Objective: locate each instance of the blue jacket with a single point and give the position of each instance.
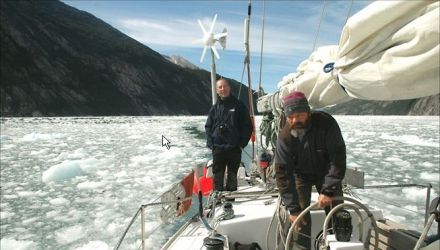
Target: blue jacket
(228, 125)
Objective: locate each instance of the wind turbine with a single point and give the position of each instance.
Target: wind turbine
(209, 40)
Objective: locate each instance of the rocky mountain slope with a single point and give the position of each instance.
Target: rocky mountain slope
(181, 61)
(60, 61)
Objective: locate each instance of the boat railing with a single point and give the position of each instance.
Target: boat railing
(427, 199)
(356, 180)
(142, 213)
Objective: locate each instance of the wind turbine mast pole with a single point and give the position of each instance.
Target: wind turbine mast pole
(213, 79)
(209, 39)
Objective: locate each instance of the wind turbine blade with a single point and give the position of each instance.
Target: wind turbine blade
(218, 36)
(222, 42)
(201, 26)
(203, 54)
(213, 23)
(215, 52)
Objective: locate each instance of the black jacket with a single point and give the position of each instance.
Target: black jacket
(228, 125)
(319, 156)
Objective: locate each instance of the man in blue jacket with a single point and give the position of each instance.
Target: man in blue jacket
(310, 152)
(228, 129)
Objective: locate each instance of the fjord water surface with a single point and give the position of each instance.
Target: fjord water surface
(75, 183)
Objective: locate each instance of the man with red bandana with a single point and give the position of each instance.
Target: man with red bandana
(310, 152)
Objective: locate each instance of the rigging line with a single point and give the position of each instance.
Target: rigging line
(248, 70)
(392, 204)
(324, 3)
(390, 179)
(152, 232)
(260, 89)
(241, 82)
(349, 11)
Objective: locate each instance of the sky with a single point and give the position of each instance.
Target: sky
(171, 28)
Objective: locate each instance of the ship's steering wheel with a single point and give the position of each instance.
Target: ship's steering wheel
(355, 204)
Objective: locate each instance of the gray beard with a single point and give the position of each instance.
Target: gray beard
(298, 132)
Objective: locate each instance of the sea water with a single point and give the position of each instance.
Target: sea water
(75, 183)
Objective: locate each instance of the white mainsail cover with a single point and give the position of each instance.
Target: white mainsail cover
(387, 51)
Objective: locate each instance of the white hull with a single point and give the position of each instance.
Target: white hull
(251, 223)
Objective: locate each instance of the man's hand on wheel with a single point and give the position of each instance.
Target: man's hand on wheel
(299, 225)
(324, 200)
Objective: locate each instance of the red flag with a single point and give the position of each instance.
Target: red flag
(206, 183)
(187, 184)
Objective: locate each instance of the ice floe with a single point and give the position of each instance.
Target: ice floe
(12, 244)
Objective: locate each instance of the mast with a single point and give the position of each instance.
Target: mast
(213, 79)
(248, 69)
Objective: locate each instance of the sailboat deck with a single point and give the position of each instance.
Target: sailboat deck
(250, 224)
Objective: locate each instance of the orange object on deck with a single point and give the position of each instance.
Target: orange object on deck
(206, 183)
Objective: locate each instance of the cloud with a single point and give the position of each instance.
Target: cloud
(286, 32)
(144, 24)
(162, 32)
(183, 33)
(288, 38)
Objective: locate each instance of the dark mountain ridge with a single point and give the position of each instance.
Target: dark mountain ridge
(56, 60)
(60, 61)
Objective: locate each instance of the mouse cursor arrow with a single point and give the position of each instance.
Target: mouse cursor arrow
(165, 142)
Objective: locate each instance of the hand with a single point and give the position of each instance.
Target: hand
(299, 225)
(324, 200)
